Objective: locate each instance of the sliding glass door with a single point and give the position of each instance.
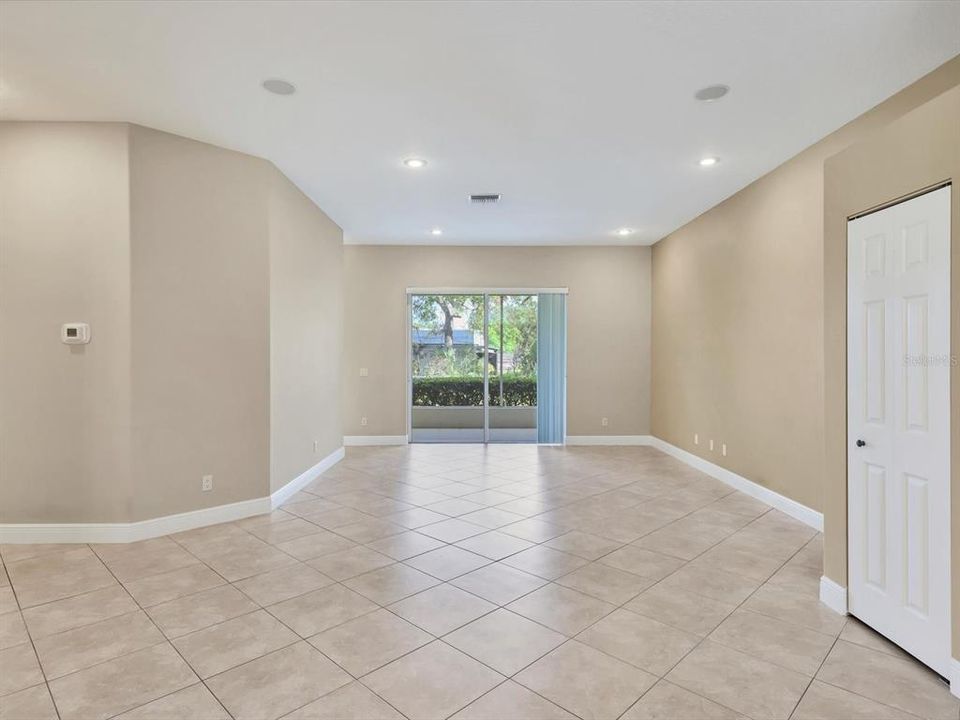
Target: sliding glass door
(474, 367)
(447, 370)
(512, 378)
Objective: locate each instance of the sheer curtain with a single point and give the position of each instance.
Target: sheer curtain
(551, 367)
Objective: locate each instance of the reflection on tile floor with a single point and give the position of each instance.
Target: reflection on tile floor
(484, 583)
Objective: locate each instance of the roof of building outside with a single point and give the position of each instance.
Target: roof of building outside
(429, 337)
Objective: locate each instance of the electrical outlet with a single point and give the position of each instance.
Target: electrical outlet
(723, 449)
(206, 483)
(711, 445)
(696, 438)
(316, 446)
(604, 422)
(364, 372)
(363, 420)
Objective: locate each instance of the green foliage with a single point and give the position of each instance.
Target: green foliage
(519, 330)
(436, 312)
(511, 332)
(518, 390)
(433, 361)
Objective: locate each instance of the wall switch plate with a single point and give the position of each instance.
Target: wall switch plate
(604, 422)
(206, 484)
(696, 438)
(711, 445)
(363, 420)
(723, 449)
(364, 372)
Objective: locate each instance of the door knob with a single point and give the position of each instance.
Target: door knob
(861, 443)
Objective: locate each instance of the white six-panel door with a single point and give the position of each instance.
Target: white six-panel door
(898, 423)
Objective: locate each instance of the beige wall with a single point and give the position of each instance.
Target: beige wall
(738, 352)
(306, 332)
(917, 151)
(200, 324)
(212, 289)
(608, 337)
(64, 257)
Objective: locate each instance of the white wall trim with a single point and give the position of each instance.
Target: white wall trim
(609, 440)
(954, 677)
(18, 533)
(131, 532)
(360, 440)
(833, 595)
(305, 478)
(796, 510)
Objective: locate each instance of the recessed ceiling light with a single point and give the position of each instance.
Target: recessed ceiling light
(279, 87)
(708, 161)
(436, 231)
(623, 232)
(415, 162)
(711, 93)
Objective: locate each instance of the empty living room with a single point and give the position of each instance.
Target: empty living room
(479, 359)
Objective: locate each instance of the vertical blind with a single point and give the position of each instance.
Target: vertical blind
(551, 367)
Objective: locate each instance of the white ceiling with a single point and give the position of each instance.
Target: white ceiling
(580, 113)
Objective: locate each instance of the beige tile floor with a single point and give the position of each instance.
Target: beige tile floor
(498, 583)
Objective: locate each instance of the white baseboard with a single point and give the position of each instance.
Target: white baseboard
(833, 596)
(360, 440)
(131, 532)
(155, 527)
(954, 677)
(609, 440)
(796, 510)
(305, 478)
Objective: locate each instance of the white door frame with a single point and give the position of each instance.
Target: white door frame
(942, 665)
(486, 292)
(407, 353)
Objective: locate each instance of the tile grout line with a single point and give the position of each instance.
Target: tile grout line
(168, 642)
(548, 582)
(854, 692)
(622, 605)
(701, 640)
(793, 710)
(373, 485)
(439, 638)
(739, 606)
(33, 647)
(568, 638)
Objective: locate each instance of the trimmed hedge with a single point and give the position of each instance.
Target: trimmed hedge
(453, 391)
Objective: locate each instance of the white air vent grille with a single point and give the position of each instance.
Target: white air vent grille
(485, 198)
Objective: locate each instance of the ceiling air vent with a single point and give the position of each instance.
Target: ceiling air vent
(484, 198)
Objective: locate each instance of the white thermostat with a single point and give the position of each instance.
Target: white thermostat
(75, 333)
